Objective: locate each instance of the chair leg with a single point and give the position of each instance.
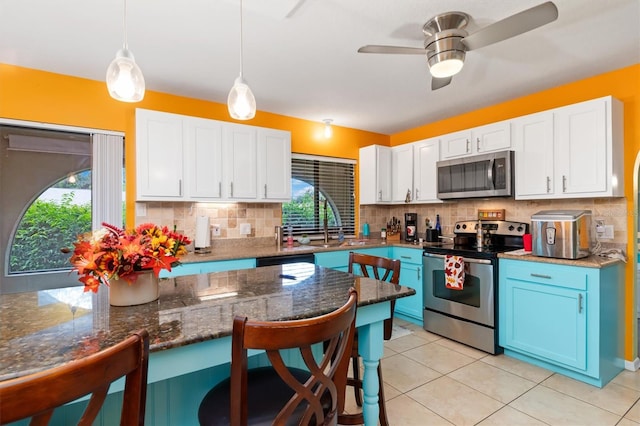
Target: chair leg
(384, 421)
(357, 380)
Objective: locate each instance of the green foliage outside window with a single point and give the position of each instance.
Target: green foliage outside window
(46, 227)
(300, 212)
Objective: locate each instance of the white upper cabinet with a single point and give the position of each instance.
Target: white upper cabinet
(203, 152)
(241, 162)
(488, 138)
(181, 158)
(402, 173)
(426, 154)
(274, 165)
(159, 156)
(533, 141)
(570, 152)
(374, 167)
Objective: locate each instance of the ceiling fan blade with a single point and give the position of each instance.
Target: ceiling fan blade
(439, 83)
(512, 26)
(401, 50)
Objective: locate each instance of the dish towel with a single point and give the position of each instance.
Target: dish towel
(454, 272)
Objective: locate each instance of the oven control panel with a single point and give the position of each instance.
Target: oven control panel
(494, 227)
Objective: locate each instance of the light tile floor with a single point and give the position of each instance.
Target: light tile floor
(430, 380)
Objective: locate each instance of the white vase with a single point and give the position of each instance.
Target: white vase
(144, 290)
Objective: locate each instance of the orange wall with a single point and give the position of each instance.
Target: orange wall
(33, 95)
(623, 84)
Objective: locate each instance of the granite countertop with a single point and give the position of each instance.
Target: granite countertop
(43, 329)
(592, 261)
(244, 248)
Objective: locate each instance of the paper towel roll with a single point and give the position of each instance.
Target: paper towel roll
(203, 234)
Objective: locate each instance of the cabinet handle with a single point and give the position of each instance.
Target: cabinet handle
(547, 277)
(564, 183)
(478, 144)
(548, 184)
(468, 149)
(379, 195)
(405, 257)
(417, 194)
(231, 191)
(418, 271)
(180, 187)
(265, 190)
(579, 303)
(220, 189)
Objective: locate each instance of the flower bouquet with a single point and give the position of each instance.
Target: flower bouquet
(114, 253)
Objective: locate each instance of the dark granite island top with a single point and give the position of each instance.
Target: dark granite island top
(39, 330)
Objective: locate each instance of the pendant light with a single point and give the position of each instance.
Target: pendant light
(241, 102)
(328, 131)
(124, 78)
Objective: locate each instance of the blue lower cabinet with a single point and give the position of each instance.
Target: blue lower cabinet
(206, 267)
(565, 318)
(411, 307)
(339, 259)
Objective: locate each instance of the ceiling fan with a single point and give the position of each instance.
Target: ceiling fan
(447, 41)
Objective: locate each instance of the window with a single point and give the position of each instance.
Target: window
(317, 182)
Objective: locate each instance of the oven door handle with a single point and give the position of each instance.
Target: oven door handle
(466, 259)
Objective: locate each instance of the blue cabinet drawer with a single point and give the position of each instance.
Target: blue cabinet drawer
(407, 255)
(545, 273)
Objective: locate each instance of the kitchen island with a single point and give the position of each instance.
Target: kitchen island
(190, 328)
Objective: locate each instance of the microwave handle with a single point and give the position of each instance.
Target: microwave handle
(490, 173)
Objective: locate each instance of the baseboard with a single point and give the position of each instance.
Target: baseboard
(632, 365)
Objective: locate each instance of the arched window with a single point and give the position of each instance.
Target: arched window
(51, 222)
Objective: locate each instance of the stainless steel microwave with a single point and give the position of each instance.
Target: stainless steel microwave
(484, 175)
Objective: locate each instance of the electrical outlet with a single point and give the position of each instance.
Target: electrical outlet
(215, 230)
(245, 228)
(600, 229)
(608, 232)
(141, 209)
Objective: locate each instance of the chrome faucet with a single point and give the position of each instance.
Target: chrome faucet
(326, 226)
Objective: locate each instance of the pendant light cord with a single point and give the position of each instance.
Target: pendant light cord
(124, 25)
(241, 40)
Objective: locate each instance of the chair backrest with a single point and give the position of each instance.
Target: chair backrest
(37, 395)
(328, 374)
(383, 269)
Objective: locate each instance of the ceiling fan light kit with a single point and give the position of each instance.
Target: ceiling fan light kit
(125, 81)
(241, 103)
(447, 41)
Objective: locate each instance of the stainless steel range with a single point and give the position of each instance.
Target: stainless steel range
(468, 315)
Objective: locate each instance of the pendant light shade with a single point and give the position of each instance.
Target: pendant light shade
(241, 102)
(124, 77)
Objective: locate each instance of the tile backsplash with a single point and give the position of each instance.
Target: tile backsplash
(612, 210)
(263, 217)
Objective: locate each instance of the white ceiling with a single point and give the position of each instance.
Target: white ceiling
(300, 56)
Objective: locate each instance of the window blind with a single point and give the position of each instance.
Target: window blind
(315, 179)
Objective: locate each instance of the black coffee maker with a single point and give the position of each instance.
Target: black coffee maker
(410, 227)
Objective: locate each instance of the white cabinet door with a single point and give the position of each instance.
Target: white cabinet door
(534, 158)
(402, 173)
(426, 154)
(240, 162)
(456, 144)
(274, 165)
(478, 140)
(374, 170)
(581, 148)
(159, 156)
(203, 155)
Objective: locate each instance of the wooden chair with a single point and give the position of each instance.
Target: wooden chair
(384, 269)
(38, 395)
(279, 394)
